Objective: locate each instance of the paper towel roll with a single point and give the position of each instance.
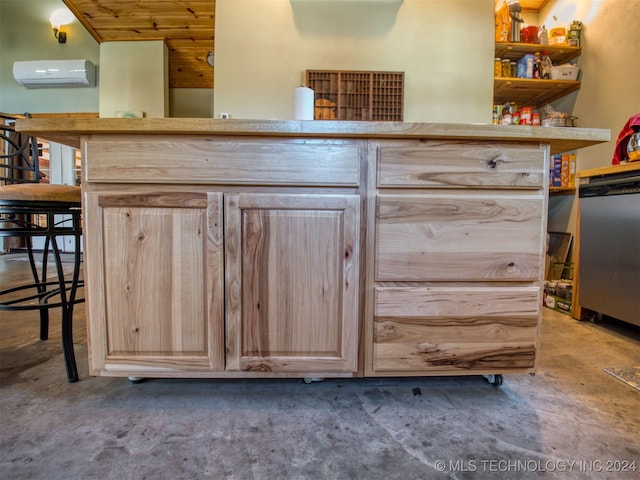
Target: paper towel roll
(303, 104)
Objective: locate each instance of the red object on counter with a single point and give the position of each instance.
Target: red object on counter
(529, 34)
(620, 152)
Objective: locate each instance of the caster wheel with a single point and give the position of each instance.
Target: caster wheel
(495, 380)
(309, 380)
(135, 380)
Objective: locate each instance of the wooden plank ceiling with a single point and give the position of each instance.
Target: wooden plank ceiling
(187, 27)
(532, 5)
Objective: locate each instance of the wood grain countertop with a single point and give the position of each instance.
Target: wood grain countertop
(69, 130)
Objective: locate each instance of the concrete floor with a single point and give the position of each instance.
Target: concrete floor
(570, 420)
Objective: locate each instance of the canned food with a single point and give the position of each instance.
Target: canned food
(497, 67)
(525, 115)
(535, 119)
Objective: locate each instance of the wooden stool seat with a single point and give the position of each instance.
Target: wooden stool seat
(41, 192)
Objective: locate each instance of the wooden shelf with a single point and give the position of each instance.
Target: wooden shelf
(609, 170)
(558, 54)
(357, 95)
(562, 190)
(531, 92)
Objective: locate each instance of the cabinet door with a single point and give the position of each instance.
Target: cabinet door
(292, 273)
(155, 282)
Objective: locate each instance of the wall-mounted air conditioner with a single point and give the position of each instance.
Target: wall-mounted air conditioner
(54, 73)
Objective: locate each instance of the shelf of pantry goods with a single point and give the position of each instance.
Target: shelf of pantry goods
(558, 54)
(533, 92)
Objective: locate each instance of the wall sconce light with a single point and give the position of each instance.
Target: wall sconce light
(60, 17)
(210, 58)
(59, 34)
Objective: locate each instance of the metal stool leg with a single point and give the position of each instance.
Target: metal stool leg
(67, 320)
(40, 285)
(67, 304)
(44, 295)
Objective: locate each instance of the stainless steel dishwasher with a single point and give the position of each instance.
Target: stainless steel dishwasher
(609, 278)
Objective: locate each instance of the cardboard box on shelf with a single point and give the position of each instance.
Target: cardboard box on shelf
(563, 170)
(558, 304)
(558, 296)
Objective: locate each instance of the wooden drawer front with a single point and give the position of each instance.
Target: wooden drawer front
(455, 328)
(124, 159)
(455, 164)
(459, 237)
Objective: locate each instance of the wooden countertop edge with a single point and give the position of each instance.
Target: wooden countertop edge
(609, 169)
(69, 130)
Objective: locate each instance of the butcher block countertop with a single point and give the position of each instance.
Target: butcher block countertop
(69, 130)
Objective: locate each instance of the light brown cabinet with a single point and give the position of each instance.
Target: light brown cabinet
(289, 289)
(256, 272)
(459, 248)
(312, 249)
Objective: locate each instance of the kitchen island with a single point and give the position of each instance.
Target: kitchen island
(236, 248)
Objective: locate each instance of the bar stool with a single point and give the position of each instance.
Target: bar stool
(32, 210)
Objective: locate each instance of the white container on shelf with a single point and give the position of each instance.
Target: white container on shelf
(568, 71)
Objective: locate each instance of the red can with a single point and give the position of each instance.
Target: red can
(525, 115)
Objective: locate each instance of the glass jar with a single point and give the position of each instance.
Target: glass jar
(506, 68)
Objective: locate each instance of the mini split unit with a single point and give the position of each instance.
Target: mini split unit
(55, 73)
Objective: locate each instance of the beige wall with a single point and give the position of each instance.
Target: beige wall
(610, 63)
(133, 77)
(445, 48)
(25, 34)
(609, 93)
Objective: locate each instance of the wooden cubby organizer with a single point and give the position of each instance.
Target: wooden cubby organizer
(533, 92)
(357, 95)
